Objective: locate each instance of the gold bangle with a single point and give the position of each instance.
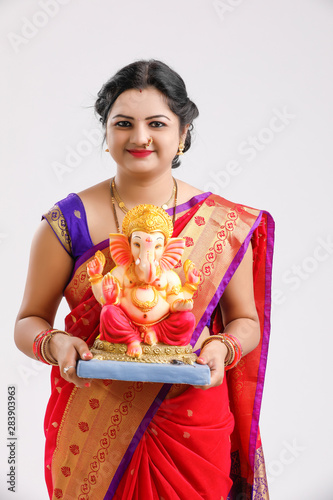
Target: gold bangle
(172, 305)
(230, 348)
(47, 356)
(231, 352)
(190, 287)
(175, 290)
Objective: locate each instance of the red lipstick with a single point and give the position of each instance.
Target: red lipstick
(140, 153)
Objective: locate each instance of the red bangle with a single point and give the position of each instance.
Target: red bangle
(36, 346)
(237, 349)
(40, 344)
(233, 346)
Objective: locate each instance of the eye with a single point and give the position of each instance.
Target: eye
(158, 246)
(136, 244)
(157, 124)
(123, 124)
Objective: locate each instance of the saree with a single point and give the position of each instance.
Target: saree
(125, 440)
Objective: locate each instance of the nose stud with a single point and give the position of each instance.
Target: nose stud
(150, 141)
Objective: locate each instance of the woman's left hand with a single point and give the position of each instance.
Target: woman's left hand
(213, 355)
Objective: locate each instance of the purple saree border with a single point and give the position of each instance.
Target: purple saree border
(225, 280)
(103, 244)
(135, 441)
(265, 341)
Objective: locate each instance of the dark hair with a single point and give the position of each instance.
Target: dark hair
(152, 73)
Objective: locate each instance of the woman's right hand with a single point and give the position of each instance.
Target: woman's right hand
(67, 350)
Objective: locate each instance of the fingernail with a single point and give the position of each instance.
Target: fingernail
(86, 355)
(87, 384)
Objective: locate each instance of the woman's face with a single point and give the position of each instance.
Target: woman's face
(136, 116)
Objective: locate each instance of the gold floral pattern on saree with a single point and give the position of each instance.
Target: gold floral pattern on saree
(217, 247)
(108, 414)
(58, 223)
(260, 486)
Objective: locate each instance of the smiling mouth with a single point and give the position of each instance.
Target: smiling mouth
(140, 153)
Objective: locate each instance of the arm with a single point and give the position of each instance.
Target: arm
(239, 317)
(49, 270)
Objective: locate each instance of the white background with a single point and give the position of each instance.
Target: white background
(244, 62)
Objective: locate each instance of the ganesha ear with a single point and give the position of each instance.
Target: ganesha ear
(173, 251)
(120, 250)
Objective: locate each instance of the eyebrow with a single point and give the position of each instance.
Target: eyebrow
(148, 117)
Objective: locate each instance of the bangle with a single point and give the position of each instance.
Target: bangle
(96, 278)
(36, 346)
(190, 287)
(237, 348)
(40, 344)
(233, 346)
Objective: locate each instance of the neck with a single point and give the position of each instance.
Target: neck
(144, 189)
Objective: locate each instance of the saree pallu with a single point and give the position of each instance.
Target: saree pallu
(125, 440)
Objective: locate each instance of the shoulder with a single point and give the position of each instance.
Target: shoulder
(186, 192)
(96, 199)
(230, 205)
(94, 193)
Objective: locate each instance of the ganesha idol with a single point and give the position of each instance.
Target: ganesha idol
(143, 300)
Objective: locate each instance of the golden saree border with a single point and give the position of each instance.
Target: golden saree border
(58, 224)
(94, 435)
(260, 485)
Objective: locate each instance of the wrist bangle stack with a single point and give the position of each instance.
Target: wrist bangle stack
(39, 346)
(233, 346)
(237, 350)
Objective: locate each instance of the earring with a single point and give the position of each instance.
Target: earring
(106, 150)
(180, 149)
(150, 141)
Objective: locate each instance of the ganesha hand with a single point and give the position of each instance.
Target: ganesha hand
(95, 266)
(191, 273)
(192, 279)
(181, 305)
(111, 289)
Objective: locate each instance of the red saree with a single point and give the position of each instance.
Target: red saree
(123, 440)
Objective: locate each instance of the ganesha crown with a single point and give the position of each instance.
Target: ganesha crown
(147, 218)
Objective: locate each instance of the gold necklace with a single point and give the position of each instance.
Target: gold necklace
(122, 206)
(114, 208)
(146, 305)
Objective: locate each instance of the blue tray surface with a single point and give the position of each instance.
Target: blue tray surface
(144, 372)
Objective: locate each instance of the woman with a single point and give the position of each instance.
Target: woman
(109, 439)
